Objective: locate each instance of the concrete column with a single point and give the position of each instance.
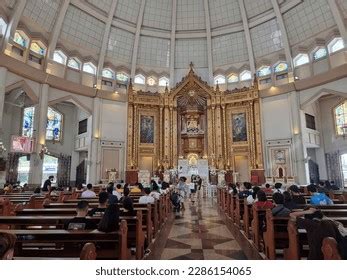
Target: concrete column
(300, 154)
(40, 120)
(3, 73)
(93, 147)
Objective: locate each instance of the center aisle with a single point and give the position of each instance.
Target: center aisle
(198, 233)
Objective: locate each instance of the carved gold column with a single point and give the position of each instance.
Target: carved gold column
(258, 137)
(209, 132)
(161, 135)
(224, 124)
(171, 136)
(252, 136)
(218, 132)
(130, 136)
(167, 143)
(174, 137)
(135, 136)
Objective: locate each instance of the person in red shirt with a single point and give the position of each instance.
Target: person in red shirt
(267, 189)
(262, 201)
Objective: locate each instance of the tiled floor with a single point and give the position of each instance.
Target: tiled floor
(198, 233)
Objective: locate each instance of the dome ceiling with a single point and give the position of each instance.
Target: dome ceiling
(151, 35)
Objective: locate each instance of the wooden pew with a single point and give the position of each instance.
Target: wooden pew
(330, 250)
(67, 244)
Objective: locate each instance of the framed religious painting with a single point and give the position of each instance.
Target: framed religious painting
(239, 127)
(146, 129)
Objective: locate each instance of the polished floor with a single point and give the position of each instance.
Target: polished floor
(198, 233)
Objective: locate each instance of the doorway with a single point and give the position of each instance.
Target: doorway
(23, 169)
(49, 168)
(241, 166)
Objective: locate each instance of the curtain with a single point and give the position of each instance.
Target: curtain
(334, 168)
(64, 169)
(12, 167)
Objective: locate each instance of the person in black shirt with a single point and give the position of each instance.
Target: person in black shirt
(110, 220)
(80, 222)
(289, 202)
(279, 210)
(296, 196)
(112, 199)
(47, 184)
(100, 210)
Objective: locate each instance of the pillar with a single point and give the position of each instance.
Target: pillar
(3, 73)
(93, 147)
(40, 121)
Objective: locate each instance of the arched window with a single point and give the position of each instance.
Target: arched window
(89, 68)
(59, 57)
(335, 45)
(3, 26)
(233, 78)
(139, 79)
(281, 67)
(264, 71)
(151, 81)
(301, 59)
(38, 48)
(320, 54)
(219, 79)
(163, 81)
(28, 121)
(122, 77)
(74, 63)
(54, 125)
(21, 38)
(340, 112)
(246, 75)
(108, 73)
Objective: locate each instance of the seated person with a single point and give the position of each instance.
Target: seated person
(252, 198)
(126, 193)
(297, 197)
(289, 202)
(128, 206)
(155, 190)
(262, 201)
(318, 198)
(318, 227)
(165, 187)
(100, 210)
(246, 190)
(88, 193)
(80, 222)
(232, 189)
(147, 198)
(138, 188)
(267, 189)
(278, 188)
(279, 210)
(117, 192)
(110, 219)
(7, 242)
(37, 191)
(112, 199)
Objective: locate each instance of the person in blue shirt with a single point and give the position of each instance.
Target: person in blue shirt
(318, 198)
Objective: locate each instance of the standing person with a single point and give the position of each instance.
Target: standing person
(182, 187)
(47, 184)
(88, 193)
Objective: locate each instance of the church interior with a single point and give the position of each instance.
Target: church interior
(206, 129)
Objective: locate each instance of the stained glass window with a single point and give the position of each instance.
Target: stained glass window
(74, 63)
(163, 81)
(341, 118)
(233, 78)
(108, 73)
(281, 67)
(89, 68)
(54, 125)
(245, 75)
(301, 59)
(139, 79)
(20, 39)
(336, 45)
(320, 53)
(151, 81)
(122, 77)
(60, 57)
(36, 48)
(264, 71)
(219, 80)
(28, 121)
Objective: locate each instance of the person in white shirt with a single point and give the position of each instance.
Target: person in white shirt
(147, 198)
(117, 191)
(88, 193)
(155, 190)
